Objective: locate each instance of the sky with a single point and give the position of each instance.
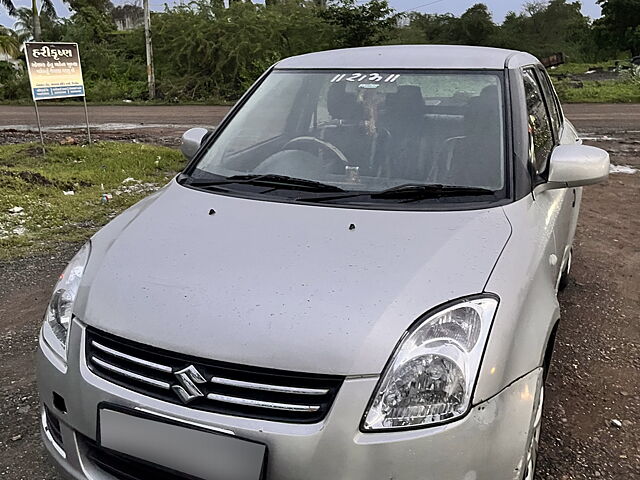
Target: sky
(498, 7)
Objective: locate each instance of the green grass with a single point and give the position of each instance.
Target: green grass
(608, 91)
(581, 68)
(575, 88)
(37, 184)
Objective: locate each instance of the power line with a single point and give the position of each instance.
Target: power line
(421, 6)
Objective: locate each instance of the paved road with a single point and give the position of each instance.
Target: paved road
(612, 117)
(587, 117)
(112, 117)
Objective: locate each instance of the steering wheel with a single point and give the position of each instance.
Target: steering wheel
(317, 142)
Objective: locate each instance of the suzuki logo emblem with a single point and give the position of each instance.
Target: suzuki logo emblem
(188, 378)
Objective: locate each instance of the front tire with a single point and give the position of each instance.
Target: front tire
(531, 457)
(564, 278)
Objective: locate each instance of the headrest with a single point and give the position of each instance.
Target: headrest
(407, 101)
(483, 111)
(343, 105)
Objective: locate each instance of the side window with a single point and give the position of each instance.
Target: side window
(552, 101)
(540, 133)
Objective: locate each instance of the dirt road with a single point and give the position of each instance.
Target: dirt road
(595, 376)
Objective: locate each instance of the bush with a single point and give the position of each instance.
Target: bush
(14, 84)
(228, 49)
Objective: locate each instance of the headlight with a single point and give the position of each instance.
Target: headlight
(58, 315)
(431, 375)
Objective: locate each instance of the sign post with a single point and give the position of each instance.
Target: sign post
(55, 72)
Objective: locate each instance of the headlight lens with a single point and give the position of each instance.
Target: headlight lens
(431, 375)
(58, 315)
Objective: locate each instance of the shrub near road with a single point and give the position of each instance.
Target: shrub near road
(45, 200)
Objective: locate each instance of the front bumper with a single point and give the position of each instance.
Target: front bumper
(487, 444)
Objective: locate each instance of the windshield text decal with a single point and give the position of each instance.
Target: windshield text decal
(361, 77)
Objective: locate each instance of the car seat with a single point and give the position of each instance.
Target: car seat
(475, 159)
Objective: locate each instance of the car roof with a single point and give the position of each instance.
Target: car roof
(452, 57)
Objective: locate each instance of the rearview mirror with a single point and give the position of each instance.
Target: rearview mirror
(191, 141)
(577, 165)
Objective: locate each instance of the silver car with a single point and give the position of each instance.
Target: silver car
(355, 277)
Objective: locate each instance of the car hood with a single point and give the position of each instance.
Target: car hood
(287, 286)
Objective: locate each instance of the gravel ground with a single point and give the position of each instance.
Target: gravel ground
(591, 420)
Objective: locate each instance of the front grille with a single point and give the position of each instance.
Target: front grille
(125, 467)
(213, 386)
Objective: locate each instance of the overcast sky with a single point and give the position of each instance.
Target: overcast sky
(498, 7)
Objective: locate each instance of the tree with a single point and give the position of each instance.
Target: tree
(476, 26)
(620, 24)
(429, 28)
(227, 49)
(359, 25)
(9, 42)
(31, 20)
(24, 23)
(103, 6)
(9, 6)
(547, 28)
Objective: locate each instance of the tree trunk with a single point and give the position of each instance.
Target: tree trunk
(37, 29)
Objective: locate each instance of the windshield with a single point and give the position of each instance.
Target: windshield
(367, 131)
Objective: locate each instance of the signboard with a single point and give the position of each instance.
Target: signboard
(54, 70)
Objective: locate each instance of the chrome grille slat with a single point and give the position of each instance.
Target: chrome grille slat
(268, 388)
(262, 404)
(130, 358)
(131, 375)
(210, 385)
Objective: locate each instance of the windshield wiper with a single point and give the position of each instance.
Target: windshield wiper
(417, 191)
(270, 180)
(407, 193)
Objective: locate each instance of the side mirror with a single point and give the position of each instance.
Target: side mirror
(577, 165)
(191, 141)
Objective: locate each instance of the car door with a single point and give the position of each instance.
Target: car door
(543, 138)
(564, 134)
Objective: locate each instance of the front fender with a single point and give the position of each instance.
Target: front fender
(524, 278)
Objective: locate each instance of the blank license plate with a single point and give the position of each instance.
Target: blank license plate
(202, 454)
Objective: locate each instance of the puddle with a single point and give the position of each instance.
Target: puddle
(599, 138)
(622, 169)
(98, 127)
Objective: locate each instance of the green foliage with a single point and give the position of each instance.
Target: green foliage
(7, 72)
(205, 52)
(476, 27)
(619, 26)
(428, 29)
(13, 84)
(359, 25)
(227, 49)
(24, 25)
(8, 6)
(556, 27)
(37, 183)
(9, 42)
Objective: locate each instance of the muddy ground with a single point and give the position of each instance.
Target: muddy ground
(591, 423)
